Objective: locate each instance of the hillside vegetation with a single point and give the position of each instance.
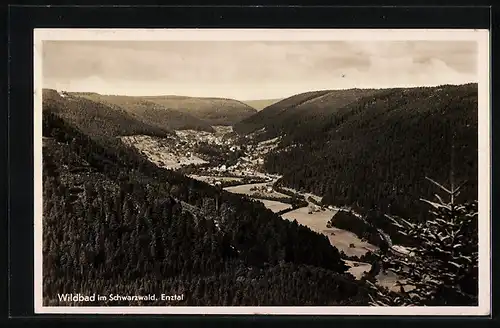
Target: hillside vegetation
(215, 111)
(116, 223)
(374, 153)
(290, 114)
(152, 113)
(95, 118)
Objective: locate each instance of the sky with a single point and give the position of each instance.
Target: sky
(250, 70)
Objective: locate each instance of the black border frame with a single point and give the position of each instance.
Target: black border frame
(22, 20)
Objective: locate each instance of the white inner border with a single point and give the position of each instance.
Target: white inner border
(482, 38)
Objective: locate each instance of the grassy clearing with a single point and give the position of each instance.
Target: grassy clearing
(342, 239)
(261, 192)
(273, 205)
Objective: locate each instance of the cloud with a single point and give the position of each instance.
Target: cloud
(252, 70)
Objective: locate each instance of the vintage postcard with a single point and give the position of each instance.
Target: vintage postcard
(199, 171)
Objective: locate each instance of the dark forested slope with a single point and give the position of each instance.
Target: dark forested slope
(116, 223)
(290, 114)
(152, 113)
(215, 111)
(375, 153)
(96, 118)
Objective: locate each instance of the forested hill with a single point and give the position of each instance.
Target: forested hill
(289, 114)
(375, 153)
(215, 111)
(151, 113)
(95, 118)
(116, 223)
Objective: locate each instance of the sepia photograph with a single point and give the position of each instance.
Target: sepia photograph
(325, 172)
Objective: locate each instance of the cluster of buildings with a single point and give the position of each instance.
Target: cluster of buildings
(193, 137)
(249, 165)
(181, 151)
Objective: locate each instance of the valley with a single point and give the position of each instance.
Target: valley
(296, 190)
(182, 154)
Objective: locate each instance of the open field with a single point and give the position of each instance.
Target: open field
(387, 279)
(339, 238)
(316, 221)
(273, 205)
(305, 194)
(358, 268)
(343, 238)
(261, 192)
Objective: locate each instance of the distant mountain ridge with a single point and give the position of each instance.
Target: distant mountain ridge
(96, 118)
(215, 111)
(151, 113)
(289, 113)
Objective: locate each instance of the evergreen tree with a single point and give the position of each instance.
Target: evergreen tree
(443, 268)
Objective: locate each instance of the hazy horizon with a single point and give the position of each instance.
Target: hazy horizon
(243, 100)
(250, 70)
